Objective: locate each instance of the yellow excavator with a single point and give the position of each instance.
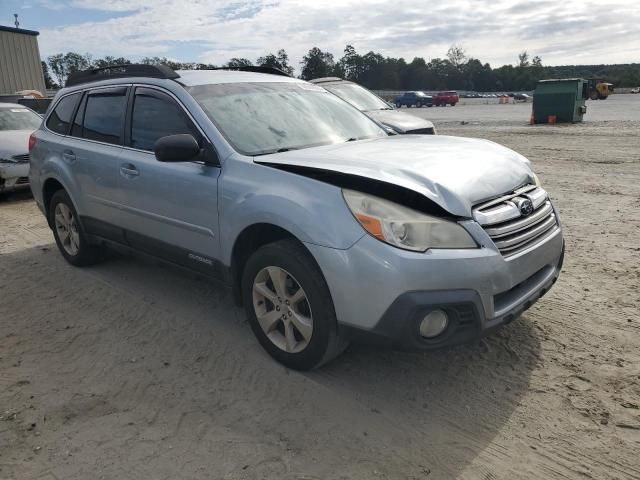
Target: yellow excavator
(599, 90)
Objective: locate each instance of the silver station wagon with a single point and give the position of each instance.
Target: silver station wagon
(326, 228)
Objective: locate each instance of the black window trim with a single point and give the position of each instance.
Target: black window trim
(73, 114)
(161, 95)
(205, 138)
(131, 87)
(126, 89)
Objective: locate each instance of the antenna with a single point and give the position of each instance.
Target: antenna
(17, 23)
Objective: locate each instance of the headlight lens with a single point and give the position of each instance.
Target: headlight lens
(403, 227)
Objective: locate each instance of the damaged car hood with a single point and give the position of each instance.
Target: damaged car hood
(453, 172)
(401, 122)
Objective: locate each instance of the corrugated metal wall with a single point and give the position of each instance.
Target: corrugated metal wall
(20, 67)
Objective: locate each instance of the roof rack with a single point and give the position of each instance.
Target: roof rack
(257, 69)
(119, 71)
(326, 79)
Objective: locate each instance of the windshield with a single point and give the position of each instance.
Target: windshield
(17, 118)
(359, 97)
(262, 118)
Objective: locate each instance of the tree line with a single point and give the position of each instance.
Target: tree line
(373, 70)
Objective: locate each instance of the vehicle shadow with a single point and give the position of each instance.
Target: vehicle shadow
(141, 368)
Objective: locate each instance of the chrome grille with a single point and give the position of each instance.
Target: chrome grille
(24, 158)
(22, 180)
(519, 220)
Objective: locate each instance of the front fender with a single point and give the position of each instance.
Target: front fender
(313, 211)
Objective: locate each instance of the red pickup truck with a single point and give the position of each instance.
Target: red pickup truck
(446, 98)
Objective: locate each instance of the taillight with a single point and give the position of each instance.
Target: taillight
(32, 141)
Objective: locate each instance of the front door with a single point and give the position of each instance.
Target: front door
(169, 209)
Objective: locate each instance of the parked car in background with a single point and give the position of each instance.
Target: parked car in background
(523, 97)
(413, 99)
(17, 122)
(326, 228)
(635, 90)
(375, 108)
(446, 98)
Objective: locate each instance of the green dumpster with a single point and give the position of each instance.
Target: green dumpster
(563, 99)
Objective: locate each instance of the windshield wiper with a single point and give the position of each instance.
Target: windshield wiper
(271, 152)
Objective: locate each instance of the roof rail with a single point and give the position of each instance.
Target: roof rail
(325, 79)
(119, 71)
(257, 69)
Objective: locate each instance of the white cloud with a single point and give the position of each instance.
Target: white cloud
(573, 31)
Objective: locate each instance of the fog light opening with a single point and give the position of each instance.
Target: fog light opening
(434, 323)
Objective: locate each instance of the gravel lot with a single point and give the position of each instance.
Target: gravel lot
(135, 370)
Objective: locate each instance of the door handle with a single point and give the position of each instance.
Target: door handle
(69, 156)
(127, 170)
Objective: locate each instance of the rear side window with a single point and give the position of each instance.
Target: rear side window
(156, 115)
(104, 116)
(60, 118)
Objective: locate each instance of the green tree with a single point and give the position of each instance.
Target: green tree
(317, 64)
(110, 61)
(280, 61)
(523, 59)
(456, 56)
(48, 81)
(63, 65)
(238, 62)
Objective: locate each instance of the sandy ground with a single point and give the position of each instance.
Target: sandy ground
(134, 370)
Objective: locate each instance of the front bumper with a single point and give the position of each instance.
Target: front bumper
(383, 292)
(14, 176)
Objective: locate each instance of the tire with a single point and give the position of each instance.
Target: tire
(398, 105)
(593, 95)
(75, 248)
(291, 259)
(453, 104)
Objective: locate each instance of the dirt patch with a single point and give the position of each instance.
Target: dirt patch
(133, 370)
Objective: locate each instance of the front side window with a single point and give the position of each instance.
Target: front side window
(154, 116)
(262, 118)
(104, 116)
(60, 118)
(17, 118)
(359, 97)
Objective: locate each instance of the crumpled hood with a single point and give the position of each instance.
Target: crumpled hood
(454, 172)
(399, 121)
(14, 142)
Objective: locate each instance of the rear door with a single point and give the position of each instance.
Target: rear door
(94, 146)
(170, 209)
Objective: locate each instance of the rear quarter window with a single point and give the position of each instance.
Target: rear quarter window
(60, 118)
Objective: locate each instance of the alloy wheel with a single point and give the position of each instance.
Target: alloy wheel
(282, 309)
(67, 229)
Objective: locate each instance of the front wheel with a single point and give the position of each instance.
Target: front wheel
(68, 232)
(289, 306)
(398, 105)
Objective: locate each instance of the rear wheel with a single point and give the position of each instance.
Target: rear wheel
(289, 306)
(593, 95)
(68, 233)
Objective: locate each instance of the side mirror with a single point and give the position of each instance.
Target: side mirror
(176, 148)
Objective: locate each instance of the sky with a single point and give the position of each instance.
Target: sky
(213, 31)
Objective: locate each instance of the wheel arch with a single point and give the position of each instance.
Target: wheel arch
(50, 186)
(248, 241)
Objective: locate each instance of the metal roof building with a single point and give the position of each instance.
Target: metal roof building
(20, 67)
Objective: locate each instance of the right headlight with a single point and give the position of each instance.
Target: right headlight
(403, 227)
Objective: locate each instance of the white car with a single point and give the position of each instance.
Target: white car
(635, 90)
(17, 122)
